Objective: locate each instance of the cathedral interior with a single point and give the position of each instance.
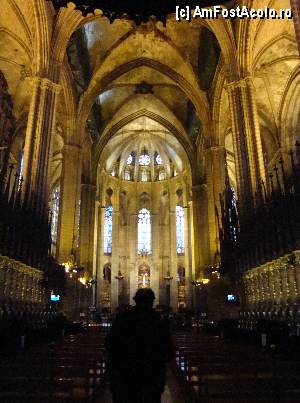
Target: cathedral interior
(149, 152)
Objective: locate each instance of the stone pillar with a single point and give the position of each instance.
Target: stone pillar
(155, 252)
(295, 6)
(39, 134)
(215, 178)
(115, 258)
(200, 242)
(99, 255)
(69, 202)
(87, 216)
(246, 140)
(173, 256)
(187, 259)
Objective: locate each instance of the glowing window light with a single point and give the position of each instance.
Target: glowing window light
(179, 230)
(55, 201)
(21, 169)
(158, 159)
(144, 160)
(129, 159)
(108, 230)
(144, 231)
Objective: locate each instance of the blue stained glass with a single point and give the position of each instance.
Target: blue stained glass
(159, 161)
(144, 231)
(180, 230)
(108, 230)
(144, 160)
(129, 159)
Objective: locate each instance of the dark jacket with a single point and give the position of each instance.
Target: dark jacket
(138, 348)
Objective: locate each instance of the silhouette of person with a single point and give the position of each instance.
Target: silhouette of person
(138, 348)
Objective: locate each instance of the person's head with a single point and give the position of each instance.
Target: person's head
(144, 297)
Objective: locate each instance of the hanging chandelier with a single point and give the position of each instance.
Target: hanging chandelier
(136, 10)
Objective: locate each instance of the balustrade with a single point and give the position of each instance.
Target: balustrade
(20, 283)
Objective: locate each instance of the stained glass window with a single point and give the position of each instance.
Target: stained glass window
(130, 159)
(233, 215)
(179, 230)
(55, 199)
(144, 231)
(21, 167)
(108, 230)
(158, 160)
(144, 159)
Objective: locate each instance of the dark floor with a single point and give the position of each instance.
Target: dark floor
(207, 369)
(173, 392)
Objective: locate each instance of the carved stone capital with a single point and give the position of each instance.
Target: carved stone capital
(242, 83)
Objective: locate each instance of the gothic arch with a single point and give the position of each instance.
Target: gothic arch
(288, 117)
(196, 96)
(190, 152)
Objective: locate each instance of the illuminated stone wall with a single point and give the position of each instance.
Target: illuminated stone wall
(161, 200)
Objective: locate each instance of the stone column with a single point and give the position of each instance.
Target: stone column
(69, 202)
(132, 269)
(99, 254)
(87, 217)
(187, 258)
(39, 134)
(115, 258)
(173, 257)
(155, 253)
(295, 6)
(200, 241)
(215, 178)
(246, 140)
